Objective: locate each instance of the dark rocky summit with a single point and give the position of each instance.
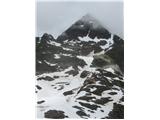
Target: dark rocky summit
(87, 25)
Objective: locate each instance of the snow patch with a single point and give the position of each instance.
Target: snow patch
(50, 64)
(54, 43)
(56, 56)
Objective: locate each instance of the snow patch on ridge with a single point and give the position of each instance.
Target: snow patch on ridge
(88, 39)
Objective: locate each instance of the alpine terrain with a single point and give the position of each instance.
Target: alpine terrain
(80, 74)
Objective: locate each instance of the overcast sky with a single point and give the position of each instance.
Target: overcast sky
(54, 17)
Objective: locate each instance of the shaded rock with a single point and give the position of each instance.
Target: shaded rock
(103, 101)
(72, 72)
(47, 78)
(102, 110)
(99, 90)
(38, 87)
(117, 52)
(79, 108)
(90, 111)
(40, 102)
(55, 77)
(112, 93)
(117, 112)
(68, 93)
(84, 74)
(86, 98)
(122, 99)
(92, 107)
(37, 40)
(102, 42)
(54, 114)
(81, 113)
(118, 83)
(109, 74)
(99, 62)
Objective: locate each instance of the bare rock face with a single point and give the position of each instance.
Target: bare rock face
(55, 114)
(117, 112)
(80, 74)
(84, 74)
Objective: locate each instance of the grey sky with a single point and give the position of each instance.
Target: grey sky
(56, 17)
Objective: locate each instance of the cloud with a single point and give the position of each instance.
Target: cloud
(56, 17)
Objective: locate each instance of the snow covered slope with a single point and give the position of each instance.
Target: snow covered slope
(80, 74)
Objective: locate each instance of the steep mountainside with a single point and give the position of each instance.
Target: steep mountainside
(80, 74)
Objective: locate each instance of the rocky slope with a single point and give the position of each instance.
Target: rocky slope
(80, 74)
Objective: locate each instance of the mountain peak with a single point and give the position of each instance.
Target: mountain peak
(90, 20)
(87, 25)
(87, 17)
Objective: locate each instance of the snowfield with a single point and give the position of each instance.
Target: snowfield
(52, 93)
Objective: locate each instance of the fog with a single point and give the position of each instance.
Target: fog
(55, 17)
